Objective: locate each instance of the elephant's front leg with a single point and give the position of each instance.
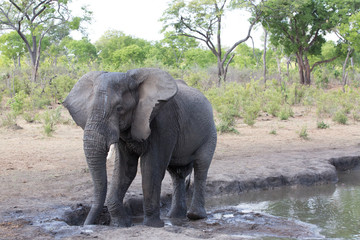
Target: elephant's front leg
(125, 169)
(153, 169)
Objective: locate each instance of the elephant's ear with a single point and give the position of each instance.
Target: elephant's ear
(80, 98)
(155, 87)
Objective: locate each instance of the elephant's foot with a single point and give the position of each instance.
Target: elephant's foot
(177, 212)
(195, 214)
(120, 222)
(153, 222)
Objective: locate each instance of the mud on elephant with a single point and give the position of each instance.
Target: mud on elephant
(147, 115)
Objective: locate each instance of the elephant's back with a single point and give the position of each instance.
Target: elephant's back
(194, 116)
(195, 111)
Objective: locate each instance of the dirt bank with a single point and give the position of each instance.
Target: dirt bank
(42, 177)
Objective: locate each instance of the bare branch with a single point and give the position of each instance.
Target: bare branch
(36, 14)
(242, 40)
(323, 61)
(20, 10)
(228, 63)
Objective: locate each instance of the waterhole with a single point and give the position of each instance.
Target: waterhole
(334, 209)
(317, 212)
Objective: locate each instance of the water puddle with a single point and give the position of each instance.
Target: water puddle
(318, 212)
(335, 209)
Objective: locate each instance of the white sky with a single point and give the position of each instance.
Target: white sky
(140, 18)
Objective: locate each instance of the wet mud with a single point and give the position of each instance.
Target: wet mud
(67, 222)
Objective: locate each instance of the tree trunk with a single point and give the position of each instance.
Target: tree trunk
(287, 68)
(344, 73)
(353, 67)
(307, 71)
(301, 68)
(264, 56)
(278, 62)
(221, 72)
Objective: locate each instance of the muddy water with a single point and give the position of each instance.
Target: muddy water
(318, 212)
(335, 209)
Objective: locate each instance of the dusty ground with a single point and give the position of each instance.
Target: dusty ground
(43, 176)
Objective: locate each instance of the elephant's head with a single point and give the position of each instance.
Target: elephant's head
(106, 104)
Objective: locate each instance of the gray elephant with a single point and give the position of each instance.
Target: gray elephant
(146, 114)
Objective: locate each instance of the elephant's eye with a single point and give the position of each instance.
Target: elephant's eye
(120, 109)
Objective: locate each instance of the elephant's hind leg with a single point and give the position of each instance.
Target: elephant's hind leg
(202, 162)
(178, 204)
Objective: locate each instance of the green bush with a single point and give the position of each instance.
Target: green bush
(51, 118)
(285, 112)
(226, 101)
(197, 79)
(250, 102)
(303, 133)
(31, 116)
(322, 125)
(340, 117)
(9, 119)
(273, 98)
(18, 102)
(273, 132)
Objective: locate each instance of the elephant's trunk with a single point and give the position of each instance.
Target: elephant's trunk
(95, 148)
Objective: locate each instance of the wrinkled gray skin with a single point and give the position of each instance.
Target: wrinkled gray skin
(147, 115)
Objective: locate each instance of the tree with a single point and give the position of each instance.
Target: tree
(82, 51)
(202, 20)
(300, 27)
(35, 19)
(349, 34)
(179, 45)
(12, 47)
(116, 48)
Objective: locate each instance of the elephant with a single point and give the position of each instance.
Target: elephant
(147, 115)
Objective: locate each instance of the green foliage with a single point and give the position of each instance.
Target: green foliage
(245, 58)
(197, 79)
(12, 47)
(303, 133)
(9, 119)
(322, 125)
(51, 118)
(283, 19)
(350, 30)
(117, 49)
(340, 117)
(198, 57)
(272, 99)
(285, 112)
(226, 101)
(273, 132)
(17, 102)
(80, 51)
(250, 102)
(31, 116)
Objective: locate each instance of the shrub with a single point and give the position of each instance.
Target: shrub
(9, 119)
(273, 132)
(322, 125)
(17, 103)
(250, 102)
(273, 98)
(31, 116)
(340, 117)
(197, 79)
(303, 133)
(250, 113)
(226, 101)
(285, 112)
(51, 118)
